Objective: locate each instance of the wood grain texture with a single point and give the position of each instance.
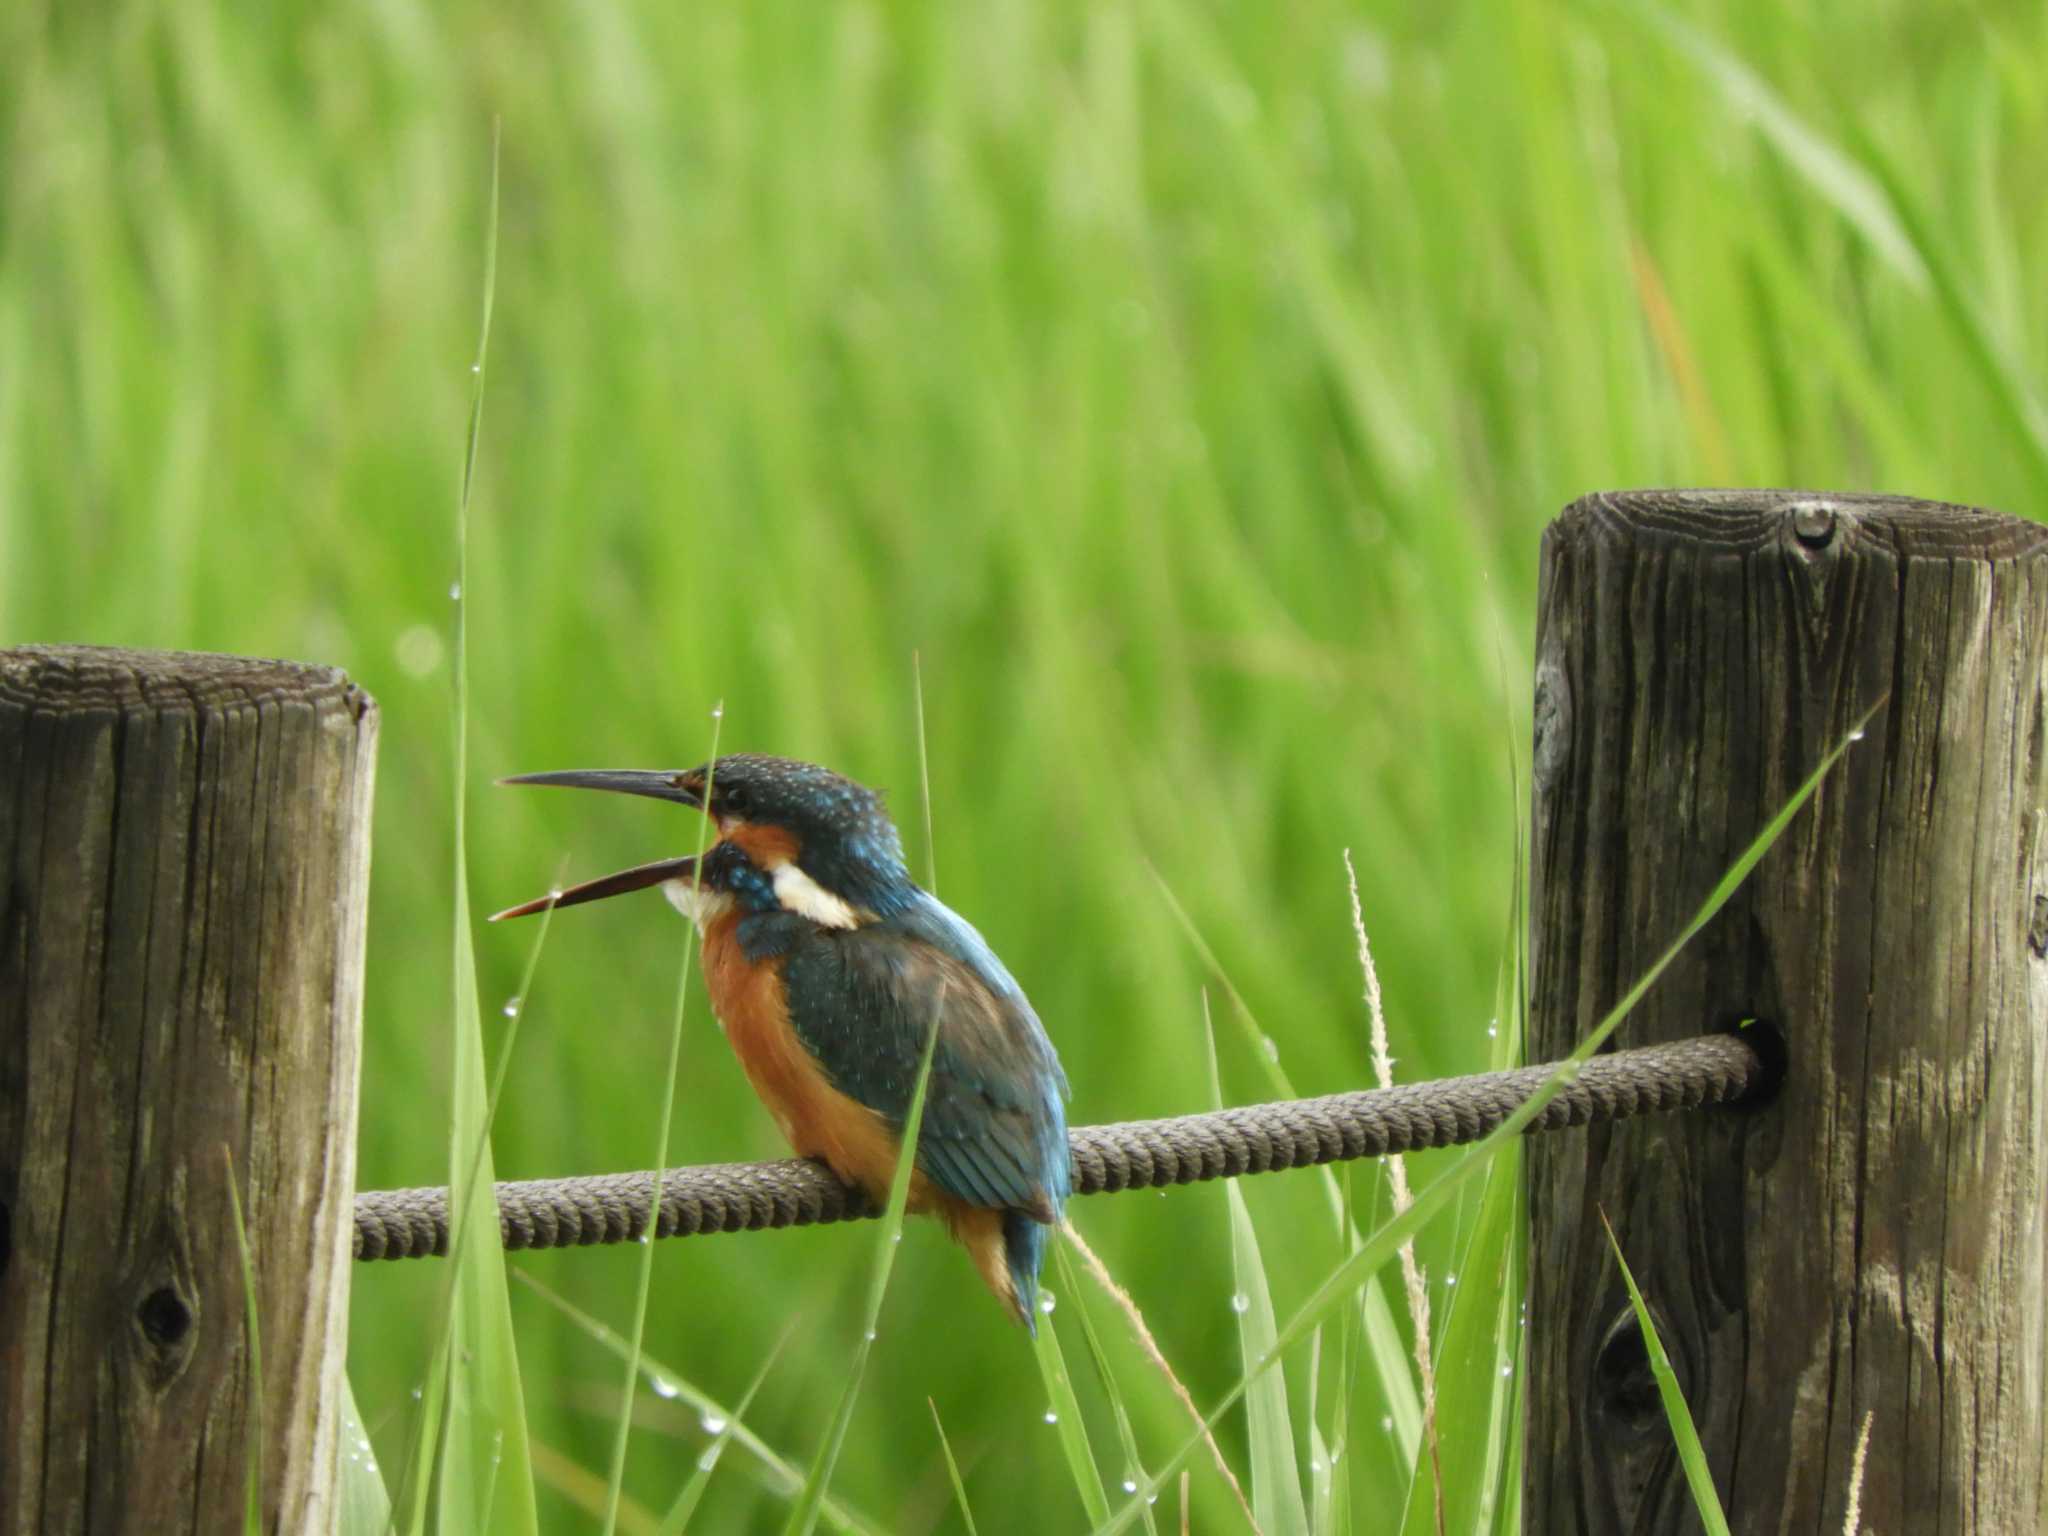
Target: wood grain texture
(1873, 1241)
(185, 843)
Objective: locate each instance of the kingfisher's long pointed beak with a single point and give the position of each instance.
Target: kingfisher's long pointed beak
(658, 784)
(637, 878)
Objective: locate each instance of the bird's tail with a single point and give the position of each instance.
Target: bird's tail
(1024, 1240)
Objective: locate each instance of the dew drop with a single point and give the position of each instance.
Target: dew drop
(1272, 1047)
(512, 1007)
(1130, 1485)
(1240, 1303)
(1856, 735)
(1507, 1371)
(1154, 1499)
(415, 1394)
(644, 1239)
(1450, 1280)
(1387, 1422)
(713, 1423)
(869, 1335)
(718, 711)
(663, 1387)
(455, 591)
(476, 368)
(1051, 1417)
(1047, 1301)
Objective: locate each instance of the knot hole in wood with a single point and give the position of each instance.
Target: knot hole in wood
(1625, 1397)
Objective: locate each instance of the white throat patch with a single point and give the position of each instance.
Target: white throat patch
(800, 894)
(699, 903)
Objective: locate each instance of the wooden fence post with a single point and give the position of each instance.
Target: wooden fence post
(1871, 1245)
(184, 842)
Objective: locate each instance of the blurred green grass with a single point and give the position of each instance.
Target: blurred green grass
(1186, 385)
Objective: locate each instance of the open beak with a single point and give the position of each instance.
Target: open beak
(628, 781)
(657, 783)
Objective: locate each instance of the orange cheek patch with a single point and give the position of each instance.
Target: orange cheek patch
(765, 847)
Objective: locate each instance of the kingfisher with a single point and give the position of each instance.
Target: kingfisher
(828, 968)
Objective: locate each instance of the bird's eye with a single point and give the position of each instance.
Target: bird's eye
(737, 800)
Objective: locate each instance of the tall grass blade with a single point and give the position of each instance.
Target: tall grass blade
(1692, 1456)
(1384, 1346)
(804, 1517)
(1127, 1438)
(1277, 1508)
(252, 1483)
(781, 1474)
(924, 779)
(474, 1403)
(953, 1472)
(365, 1502)
(1477, 1328)
(678, 1517)
(615, 1480)
(1064, 1415)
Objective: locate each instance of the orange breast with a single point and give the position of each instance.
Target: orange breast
(816, 1119)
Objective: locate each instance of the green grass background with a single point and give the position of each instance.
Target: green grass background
(1186, 384)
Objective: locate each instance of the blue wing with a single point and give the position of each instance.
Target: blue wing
(862, 1001)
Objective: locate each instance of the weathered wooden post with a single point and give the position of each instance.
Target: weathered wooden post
(1872, 1243)
(184, 842)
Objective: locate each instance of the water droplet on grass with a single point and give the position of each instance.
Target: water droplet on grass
(1047, 1301)
(1051, 1417)
(713, 1423)
(1240, 1303)
(663, 1387)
